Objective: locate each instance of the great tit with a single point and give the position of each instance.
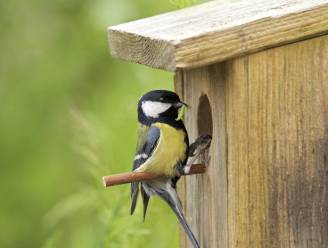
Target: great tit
(162, 147)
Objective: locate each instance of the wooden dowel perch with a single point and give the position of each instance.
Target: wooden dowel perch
(129, 177)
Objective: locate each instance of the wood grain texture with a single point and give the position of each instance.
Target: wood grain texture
(214, 32)
(181, 187)
(206, 195)
(267, 183)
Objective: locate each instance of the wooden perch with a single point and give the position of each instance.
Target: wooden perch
(129, 177)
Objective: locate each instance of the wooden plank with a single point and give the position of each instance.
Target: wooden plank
(267, 184)
(206, 195)
(277, 132)
(214, 32)
(181, 187)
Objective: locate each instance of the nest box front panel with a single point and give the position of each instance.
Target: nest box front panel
(267, 179)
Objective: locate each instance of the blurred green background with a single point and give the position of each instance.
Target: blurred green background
(68, 117)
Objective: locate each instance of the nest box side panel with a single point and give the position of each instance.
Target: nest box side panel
(277, 132)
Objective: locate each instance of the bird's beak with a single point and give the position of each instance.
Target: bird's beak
(185, 104)
(180, 104)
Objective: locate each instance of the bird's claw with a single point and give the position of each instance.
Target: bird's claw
(180, 169)
(183, 169)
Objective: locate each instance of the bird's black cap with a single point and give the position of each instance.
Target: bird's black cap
(161, 96)
(165, 96)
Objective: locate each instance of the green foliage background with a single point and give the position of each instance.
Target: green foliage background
(68, 117)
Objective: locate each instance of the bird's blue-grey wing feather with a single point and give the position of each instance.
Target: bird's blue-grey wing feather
(147, 142)
(152, 140)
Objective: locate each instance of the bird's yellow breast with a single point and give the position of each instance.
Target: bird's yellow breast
(171, 150)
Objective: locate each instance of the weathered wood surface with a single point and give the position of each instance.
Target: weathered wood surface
(205, 198)
(179, 89)
(214, 32)
(267, 184)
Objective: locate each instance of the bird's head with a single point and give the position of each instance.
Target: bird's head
(159, 104)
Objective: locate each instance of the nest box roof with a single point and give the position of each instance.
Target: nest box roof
(213, 32)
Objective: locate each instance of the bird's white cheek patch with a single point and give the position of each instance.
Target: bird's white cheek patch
(154, 109)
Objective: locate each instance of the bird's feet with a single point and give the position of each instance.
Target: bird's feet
(183, 169)
(198, 149)
(201, 144)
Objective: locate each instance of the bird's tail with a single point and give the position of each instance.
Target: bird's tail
(171, 197)
(134, 196)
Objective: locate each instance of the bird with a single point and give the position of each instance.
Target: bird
(162, 147)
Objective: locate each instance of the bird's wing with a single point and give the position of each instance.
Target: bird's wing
(147, 141)
(141, 142)
(147, 146)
